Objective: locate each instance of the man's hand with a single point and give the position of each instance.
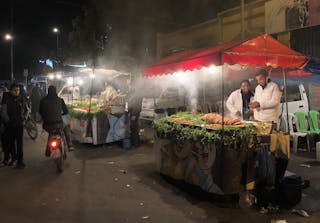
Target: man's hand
(254, 105)
(238, 113)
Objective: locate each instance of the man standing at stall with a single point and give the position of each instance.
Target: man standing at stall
(239, 100)
(266, 102)
(109, 93)
(266, 106)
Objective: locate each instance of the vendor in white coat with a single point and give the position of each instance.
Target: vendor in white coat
(109, 93)
(239, 100)
(266, 102)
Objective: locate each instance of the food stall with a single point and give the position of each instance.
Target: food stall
(218, 153)
(94, 120)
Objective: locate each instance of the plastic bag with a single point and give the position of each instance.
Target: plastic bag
(266, 169)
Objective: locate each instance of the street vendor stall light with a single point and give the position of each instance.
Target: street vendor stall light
(80, 82)
(9, 37)
(70, 81)
(51, 76)
(213, 69)
(58, 76)
(180, 76)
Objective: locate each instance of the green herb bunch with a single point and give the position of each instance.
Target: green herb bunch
(233, 137)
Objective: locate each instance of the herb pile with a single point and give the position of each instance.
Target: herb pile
(82, 112)
(196, 130)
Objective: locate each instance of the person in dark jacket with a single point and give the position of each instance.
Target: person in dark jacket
(12, 115)
(4, 134)
(134, 106)
(36, 95)
(51, 110)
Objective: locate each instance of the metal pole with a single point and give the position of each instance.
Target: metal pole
(91, 88)
(222, 94)
(11, 44)
(11, 59)
(285, 96)
(57, 44)
(72, 88)
(242, 19)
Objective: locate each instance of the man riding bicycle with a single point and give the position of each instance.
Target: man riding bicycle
(51, 110)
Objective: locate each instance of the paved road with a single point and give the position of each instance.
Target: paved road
(107, 184)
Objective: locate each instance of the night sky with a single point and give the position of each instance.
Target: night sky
(33, 21)
(32, 27)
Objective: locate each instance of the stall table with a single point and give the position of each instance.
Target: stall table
(100, 127)
(195, 154)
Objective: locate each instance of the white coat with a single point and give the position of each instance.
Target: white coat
(269, 100)
(234, 103)
(108, 93)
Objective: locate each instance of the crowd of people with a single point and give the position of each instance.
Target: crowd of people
(262, 105)
(12, 117)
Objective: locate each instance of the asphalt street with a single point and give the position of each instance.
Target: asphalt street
(109, 184)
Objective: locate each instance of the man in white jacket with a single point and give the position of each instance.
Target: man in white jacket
(239, 100)
(267, 97)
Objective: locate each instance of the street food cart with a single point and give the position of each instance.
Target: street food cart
(220, 154)
(94, 120)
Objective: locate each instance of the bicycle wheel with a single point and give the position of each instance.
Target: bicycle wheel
(31, 128)
(60, 163)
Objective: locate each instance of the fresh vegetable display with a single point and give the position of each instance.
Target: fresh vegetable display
(81, 109)
(205, 129)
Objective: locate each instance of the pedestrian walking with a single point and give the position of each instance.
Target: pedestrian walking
(135, 102)
(7, 156)
(36, 95)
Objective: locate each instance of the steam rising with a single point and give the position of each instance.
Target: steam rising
(200, 90)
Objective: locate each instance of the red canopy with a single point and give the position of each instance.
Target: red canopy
(261, 51)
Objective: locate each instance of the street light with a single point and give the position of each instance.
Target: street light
(9, 37)
(57, 32)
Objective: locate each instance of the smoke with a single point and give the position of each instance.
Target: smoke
(199, 90)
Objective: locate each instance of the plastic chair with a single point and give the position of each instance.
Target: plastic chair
(295, 135)
(303, 126)
(314, 121)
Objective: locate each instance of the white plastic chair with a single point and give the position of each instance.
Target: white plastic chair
(295, 135)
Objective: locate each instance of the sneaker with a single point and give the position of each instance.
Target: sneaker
(20, 165)
(11, 163)
(4, 163)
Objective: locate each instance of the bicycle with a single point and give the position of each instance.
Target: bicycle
(29, 124)
(56, 148)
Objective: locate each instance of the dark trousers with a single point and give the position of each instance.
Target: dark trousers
(134, 130)
(15, 137)
(67, 134)
(5, 146)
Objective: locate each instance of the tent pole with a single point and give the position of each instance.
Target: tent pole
(222, 103)
(72, 88)
(242, 19)
(204, 94)
(90, 99)
(285, 96)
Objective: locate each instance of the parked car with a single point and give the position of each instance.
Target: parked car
(297, 100)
